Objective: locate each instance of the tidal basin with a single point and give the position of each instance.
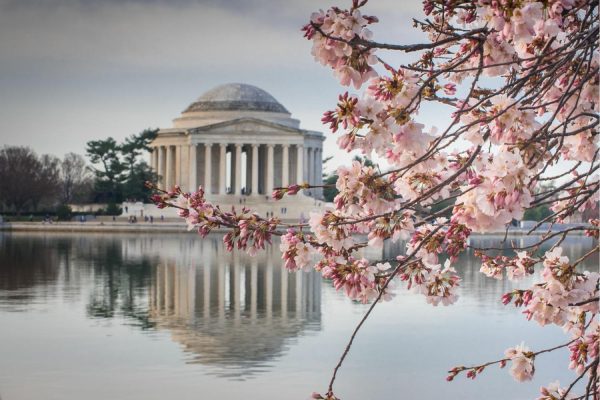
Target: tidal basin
(149, 316)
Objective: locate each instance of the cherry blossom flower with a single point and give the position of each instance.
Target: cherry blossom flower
(553, 392)
(522, 368)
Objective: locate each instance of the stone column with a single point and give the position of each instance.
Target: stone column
(177, 179)
(309, 165)
(154, 159)
(319, 171)
(315, 166)
(248, 180)
(207, 168)
(254, 169)
(222, 169)
(238, 169)
(285, 165)
(321, 167)
(193, 168)
(270, 172)
(161, 165)
(169, 169)
(299, 164)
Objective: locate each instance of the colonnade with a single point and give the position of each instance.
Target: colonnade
(218, 166)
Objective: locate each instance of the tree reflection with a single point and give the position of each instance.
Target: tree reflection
(120, 282)
(27, 265)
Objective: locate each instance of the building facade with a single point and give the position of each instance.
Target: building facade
(237, 141)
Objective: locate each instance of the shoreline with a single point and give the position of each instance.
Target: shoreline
(158, 227)
(95, 227)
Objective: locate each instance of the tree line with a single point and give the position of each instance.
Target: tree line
(32, 183)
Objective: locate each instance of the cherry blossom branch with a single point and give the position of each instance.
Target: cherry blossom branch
(404, 262)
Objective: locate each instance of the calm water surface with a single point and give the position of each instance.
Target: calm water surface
(175, 317)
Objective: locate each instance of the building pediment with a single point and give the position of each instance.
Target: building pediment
(246, 125)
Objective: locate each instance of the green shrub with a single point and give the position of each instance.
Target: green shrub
(113, 209)
(64, 212)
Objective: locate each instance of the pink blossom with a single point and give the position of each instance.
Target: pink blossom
(522, 368)
(440, 285)
(553, 391)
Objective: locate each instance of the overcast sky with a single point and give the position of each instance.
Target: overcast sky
(76, 70)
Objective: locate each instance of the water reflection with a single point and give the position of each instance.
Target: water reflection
(142, 310)
(26, 268)
(233, 311)
(120, 279)
(477, 288)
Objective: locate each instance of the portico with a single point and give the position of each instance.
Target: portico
(267, 166)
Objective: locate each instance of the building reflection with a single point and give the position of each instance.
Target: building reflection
(232, 311)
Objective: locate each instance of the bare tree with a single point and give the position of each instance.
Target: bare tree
(26, 179)
(46, 183)
(75, 178)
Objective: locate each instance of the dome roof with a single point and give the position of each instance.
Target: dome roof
(236, 97)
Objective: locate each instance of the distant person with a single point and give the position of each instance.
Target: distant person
(162, 218)
(151, 219)
(31, 218)
(126, 209)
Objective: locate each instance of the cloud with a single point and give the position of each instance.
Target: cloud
(83, 69)
(78, 38)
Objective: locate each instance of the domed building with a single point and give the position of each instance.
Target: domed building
(238, 142)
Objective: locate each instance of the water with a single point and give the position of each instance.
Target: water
(105, 316)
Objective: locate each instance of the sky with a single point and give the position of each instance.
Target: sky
(78, 70)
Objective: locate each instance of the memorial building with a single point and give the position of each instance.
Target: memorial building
(239, 143)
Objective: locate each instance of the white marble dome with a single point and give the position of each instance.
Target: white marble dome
(233, 101)
(236, 97)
